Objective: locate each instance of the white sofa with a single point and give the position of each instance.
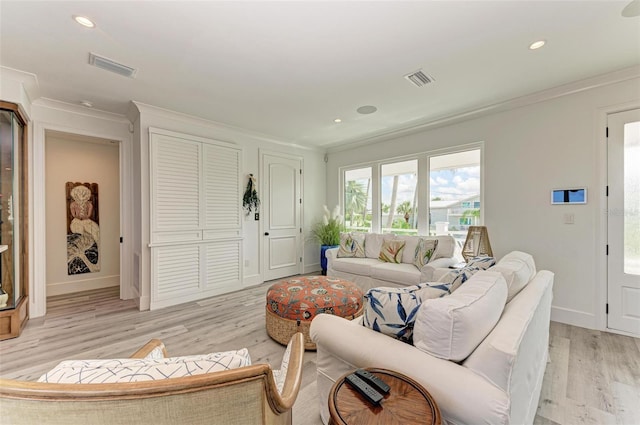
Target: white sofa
(498, 383)
(370, 272)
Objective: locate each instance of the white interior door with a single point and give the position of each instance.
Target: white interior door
(624, 221)
(281, 216)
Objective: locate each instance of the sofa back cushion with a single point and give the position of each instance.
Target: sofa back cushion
(451, 327)
(446, 247)
(373, 243)
(351, 245)
(518, 268)
(392, 311)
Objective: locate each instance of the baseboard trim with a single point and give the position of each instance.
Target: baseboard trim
(573, 317)
(253, 280)
(61, 288)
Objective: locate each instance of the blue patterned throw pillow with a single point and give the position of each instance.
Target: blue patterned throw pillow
(392, 311)
(483, 262)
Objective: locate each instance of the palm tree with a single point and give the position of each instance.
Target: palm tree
(355, 199)
(405, 209)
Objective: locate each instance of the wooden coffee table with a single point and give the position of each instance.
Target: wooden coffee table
(407, 403)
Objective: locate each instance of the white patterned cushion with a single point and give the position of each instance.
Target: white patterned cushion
(391, 251)
(410, 244)
(481, 262)
(392, 311)
(351, 245)
(451, 327)
(136, 370)
(456, 277)
(156, 353)
(424, 252)
(280, 375)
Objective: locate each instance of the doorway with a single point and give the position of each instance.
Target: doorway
(82, 235)
(281, 215)
(623, 221)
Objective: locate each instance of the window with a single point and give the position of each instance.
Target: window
(384, 196)
(357, 200)
(454, 193)
(398, 209)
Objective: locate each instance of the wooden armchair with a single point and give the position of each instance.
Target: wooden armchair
(247, 395)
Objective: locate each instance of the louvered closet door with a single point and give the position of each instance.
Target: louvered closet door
(175, 183)
(222, 213)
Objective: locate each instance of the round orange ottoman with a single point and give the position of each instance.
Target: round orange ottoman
(293, 303)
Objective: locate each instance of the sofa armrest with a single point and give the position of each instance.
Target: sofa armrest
(462, 396)
(435, 269)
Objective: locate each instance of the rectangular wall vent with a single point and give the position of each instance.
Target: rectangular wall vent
(110, 65)
(419, 78)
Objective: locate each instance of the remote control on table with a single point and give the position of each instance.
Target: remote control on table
(372, 379)
(363, 388)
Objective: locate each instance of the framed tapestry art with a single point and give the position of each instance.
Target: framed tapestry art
(83, 228)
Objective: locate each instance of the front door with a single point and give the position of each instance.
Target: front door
(281, 215)
(624, 221)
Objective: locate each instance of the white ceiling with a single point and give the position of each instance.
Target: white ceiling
(287, 69)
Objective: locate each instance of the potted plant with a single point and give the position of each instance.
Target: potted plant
(327, 232)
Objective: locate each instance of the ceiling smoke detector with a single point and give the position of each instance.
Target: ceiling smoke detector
(111, 65)
(419, 78)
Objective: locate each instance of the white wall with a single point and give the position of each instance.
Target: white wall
(80, 159)
(528, 151)
(145, 116)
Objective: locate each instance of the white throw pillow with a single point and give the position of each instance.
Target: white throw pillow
(452, 327)
(410, 245)
(518, 268)
(137, 370)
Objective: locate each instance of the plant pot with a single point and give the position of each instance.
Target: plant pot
(323, 257)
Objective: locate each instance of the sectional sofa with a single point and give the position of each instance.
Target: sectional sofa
(369, 271)
(482, 360)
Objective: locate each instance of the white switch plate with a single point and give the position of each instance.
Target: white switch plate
(569, 218)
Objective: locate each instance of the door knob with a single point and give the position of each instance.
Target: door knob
(266, 233)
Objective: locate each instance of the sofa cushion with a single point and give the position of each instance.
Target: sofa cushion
(351, 245)
(456, 277)
(391, 251)
(359, 266)
(136, 370)
(410, 245)
(373, 243)
(392, 311)
(424, 252)
(446, 247)
(451, 327)
(518, 268)
(406, 274)
(482, 262)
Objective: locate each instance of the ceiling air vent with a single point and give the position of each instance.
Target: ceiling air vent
(419, 78)
(110, 65)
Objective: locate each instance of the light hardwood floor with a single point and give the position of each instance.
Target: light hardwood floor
(592, 378)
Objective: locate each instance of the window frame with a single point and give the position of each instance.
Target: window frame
(423, 189)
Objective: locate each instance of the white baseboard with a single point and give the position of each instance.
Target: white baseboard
(573, 317)
(253, 280)
(60, 288)
(311, 268)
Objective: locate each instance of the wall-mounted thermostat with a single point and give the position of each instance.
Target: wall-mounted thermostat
(576, 195)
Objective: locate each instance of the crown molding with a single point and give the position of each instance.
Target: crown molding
(59, 105)
(193, 120)
(602, 80)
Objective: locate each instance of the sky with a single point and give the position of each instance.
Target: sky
(447, 184)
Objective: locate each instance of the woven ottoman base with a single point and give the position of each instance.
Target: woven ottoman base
(292, 304)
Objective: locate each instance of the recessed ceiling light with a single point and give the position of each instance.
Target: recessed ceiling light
(337, 120)
(84, 21)
(86, 103)
(367, 109)
(537, 44)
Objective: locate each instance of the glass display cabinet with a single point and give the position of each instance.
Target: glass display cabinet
(14, 304)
